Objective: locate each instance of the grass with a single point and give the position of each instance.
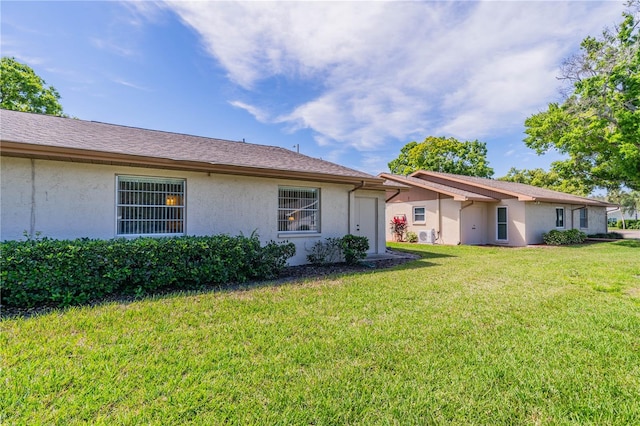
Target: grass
(466, 335)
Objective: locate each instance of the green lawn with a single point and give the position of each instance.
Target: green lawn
(466, 335)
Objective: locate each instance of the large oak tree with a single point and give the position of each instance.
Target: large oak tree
(21, 89)
(551, 179)
(441, 154)
(598, 124)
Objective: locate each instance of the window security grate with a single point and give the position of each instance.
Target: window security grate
(298, 209)
(150, 206)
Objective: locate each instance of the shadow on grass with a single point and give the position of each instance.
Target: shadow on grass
(628, 243)
(632, 243)
(422, 254)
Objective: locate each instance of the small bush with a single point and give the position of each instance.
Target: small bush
(354, 248)
(412, 237)
(558, 238)
(325, 252)
(66, 272)
(628, 224)
(349, 248)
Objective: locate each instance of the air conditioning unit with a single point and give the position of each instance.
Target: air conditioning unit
(427, 237)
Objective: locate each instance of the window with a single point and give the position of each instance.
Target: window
(501, 223)
(298, 209)
(149, 206)
(560, 217)
(584, 218)
(419, 214)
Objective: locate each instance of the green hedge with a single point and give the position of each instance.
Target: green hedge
(558, 238)
(629, 223)
(66, 272)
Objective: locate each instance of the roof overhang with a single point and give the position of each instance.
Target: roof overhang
(519, 196)
(54, 153)
(430, 187)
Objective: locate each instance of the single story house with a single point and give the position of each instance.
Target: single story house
(453, 209)
(65, 178)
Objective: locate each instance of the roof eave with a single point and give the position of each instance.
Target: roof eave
(456, 197)
(520, 196)
(586, 202)
(46, 152)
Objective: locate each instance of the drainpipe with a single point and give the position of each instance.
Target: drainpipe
(32, 218)
(350, 208)
(460, 221)
(393, 196)
(439, 217)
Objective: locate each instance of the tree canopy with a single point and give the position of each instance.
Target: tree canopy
(442, 154)
(550, 180)
(598, 124)
(629, 201)
(21, 89)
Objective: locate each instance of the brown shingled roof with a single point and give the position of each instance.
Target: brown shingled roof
(57, 138)
(457, 194)
(522, 191)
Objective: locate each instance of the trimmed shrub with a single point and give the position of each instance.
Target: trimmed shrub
(325, 252)
(412, 237)
(354, 248)
(629, 224)
(558, 238)
(66, 272)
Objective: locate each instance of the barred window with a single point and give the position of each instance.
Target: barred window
(298, 209)
(150, 206)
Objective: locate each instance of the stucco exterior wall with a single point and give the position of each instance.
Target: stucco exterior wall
(440, 215)
(66, 200)
(516, 223)
(596, 220)
(541, 218)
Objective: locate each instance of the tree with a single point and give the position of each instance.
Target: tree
(21, 89)
(598, 124)
(629, 202)
(442, 154)
(550, 180)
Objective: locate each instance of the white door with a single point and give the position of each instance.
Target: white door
(366, 215)
(472, 225)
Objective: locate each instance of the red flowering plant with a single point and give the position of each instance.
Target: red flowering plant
(399, 226)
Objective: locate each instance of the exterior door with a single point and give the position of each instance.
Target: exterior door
(472, 225)
(366, 215)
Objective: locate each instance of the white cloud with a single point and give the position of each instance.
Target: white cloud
(258, 113)
(398, 70)
(113, 47)
(131, 85)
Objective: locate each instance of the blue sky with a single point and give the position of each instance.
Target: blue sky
(349, 82)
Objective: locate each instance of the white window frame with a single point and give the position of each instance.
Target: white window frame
(564, 216)
(505, 223)
(584, 220)
(297, 211)
(150, 206)
(424, 214)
